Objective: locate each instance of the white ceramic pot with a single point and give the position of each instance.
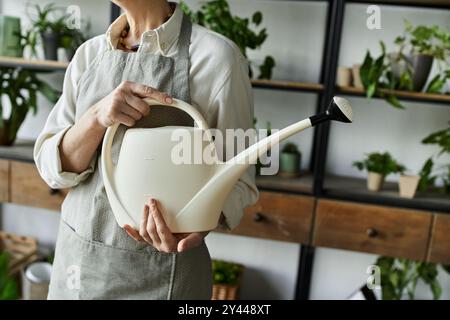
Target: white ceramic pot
(374, 181)
(408, 186)
(344, 77)
(35, 281)
(356, 77)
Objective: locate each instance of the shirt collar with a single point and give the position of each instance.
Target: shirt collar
(166, 34)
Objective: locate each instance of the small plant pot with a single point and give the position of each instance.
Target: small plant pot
(344, 77)
(408, 186)
(421, 67)
(51, 42)
(5, 138)
(375, 181)
(290, 164)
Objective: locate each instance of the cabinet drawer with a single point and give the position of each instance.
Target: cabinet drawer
(4, 180)
(373, 229)
(28, 188)
(440, 240)
(278, 216)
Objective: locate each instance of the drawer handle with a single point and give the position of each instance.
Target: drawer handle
(259, 217)
(372, 233)
(54, 191)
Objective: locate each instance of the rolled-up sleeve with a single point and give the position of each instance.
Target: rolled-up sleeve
(62, 118)
(233, 105)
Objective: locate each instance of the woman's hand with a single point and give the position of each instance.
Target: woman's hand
(125, 105)
(154, 231)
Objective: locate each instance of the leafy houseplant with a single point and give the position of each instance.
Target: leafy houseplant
(8, 287)
(399, 277)
(49, 29)
(20, 87)
(441, 138)
(226, 279)
(216, 15)
(290, 159)
(408, 71)
(378, 165)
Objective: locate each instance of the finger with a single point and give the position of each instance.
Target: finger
(144, 91)
(152, 232)
(191, 241)
(168, 241)
(137, 104)
(124, 119)
(143, 226)
(131, 112)
(132, 233)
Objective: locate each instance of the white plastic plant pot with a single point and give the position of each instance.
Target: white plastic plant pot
(375, 181)
(408, 186)
(35, 281)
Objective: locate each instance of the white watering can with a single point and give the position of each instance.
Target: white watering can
(192, 195)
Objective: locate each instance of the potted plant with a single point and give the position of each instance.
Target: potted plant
(50, 29)
(216, 15)
(290, 158)
(423, 44)
(20, 88)
(378, 165)
(71, 39)
(226, 280)
(399, 278)
(9, 289)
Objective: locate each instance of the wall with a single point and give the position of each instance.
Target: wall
(296, 42)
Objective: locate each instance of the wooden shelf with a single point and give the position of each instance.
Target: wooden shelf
(403, 95)
(22, 150)
(301, 184)
(288, 85)
(355, 189)
(40, 65)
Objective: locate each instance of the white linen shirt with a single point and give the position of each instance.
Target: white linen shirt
(219, 87)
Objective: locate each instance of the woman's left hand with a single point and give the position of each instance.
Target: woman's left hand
(154, 231)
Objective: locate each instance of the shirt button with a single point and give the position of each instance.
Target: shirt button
(163, 45)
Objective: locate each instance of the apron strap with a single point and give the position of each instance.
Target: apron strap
(182, 61)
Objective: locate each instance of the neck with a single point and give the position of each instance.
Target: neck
(144, 15)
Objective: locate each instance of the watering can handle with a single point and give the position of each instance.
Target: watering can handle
(106, 159)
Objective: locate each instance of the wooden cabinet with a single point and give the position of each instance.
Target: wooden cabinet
(440, 240)
(4, 180)
(278, 216)
(374, 229)
(28, 188)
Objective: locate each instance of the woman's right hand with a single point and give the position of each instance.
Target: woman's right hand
(125, 104)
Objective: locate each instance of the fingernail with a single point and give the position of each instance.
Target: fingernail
(169, 100)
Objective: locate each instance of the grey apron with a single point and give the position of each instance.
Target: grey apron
(94, 257)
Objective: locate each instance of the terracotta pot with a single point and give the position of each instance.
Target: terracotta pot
(356, 76)
(375, 181)
(344, 77)
(408, 186)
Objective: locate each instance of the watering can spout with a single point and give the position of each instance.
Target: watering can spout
(193, 196)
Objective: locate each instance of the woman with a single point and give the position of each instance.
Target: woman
(151, 51)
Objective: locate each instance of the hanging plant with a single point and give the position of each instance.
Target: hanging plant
(20, 87)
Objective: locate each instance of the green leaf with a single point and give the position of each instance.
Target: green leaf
(257, 18)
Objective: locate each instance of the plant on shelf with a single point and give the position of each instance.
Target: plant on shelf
(20, 87)
(51, 24)
(226, 279)
(399, 277)
(216, 15)
(290, 159)
(441, 139)
(408, 68)
(8, 286)
(378, 166)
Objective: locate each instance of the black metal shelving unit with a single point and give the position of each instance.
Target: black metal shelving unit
(321, 185)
